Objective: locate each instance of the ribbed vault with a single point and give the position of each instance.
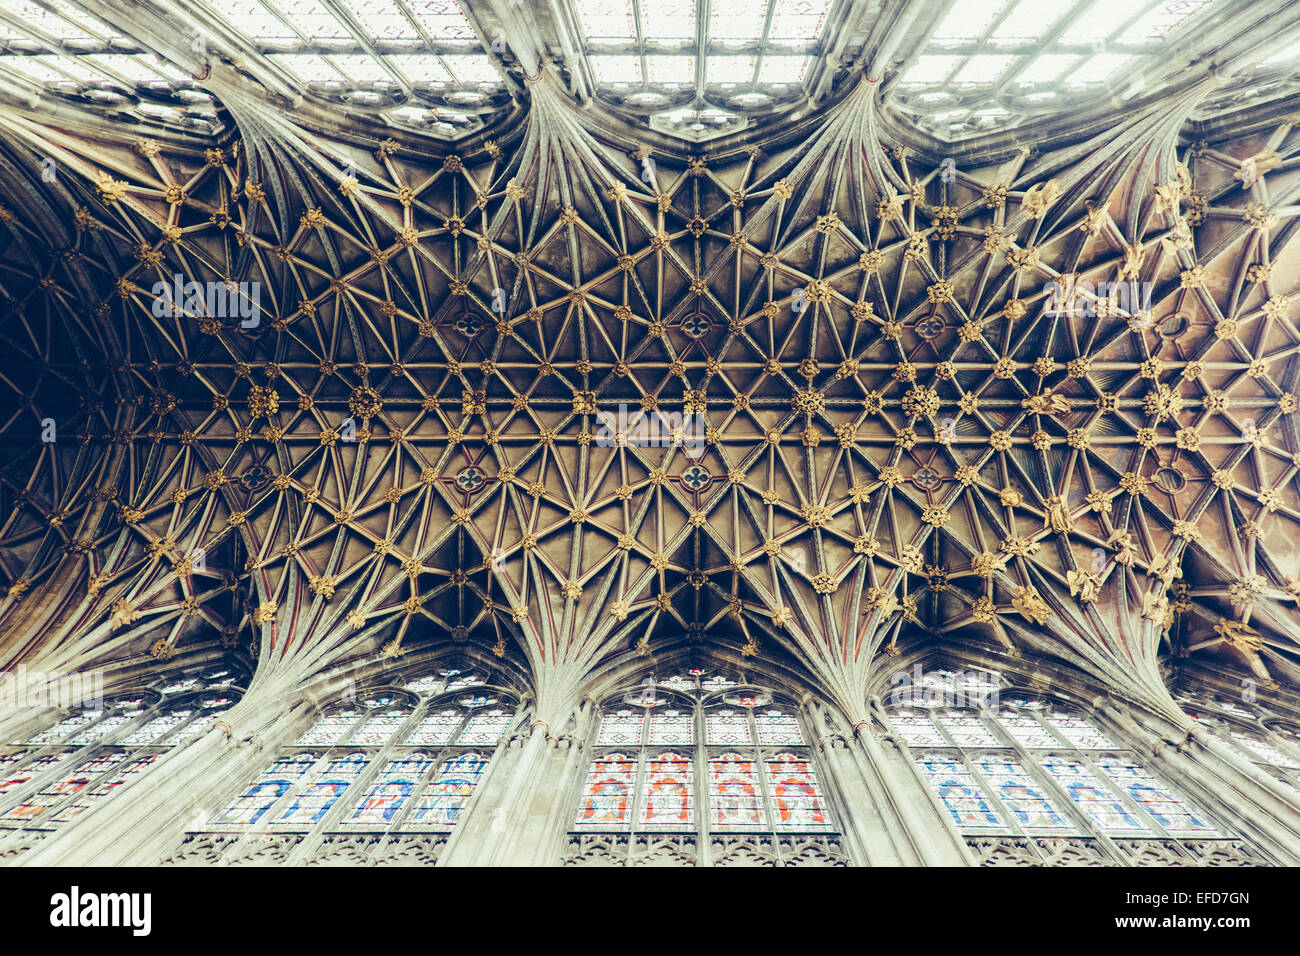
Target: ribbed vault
(564, 393)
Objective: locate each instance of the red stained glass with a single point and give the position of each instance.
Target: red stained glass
(734, 795)
(606, 801)
(668, 798)
(796, 796)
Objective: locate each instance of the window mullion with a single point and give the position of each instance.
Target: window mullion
(1139, 811)
(640, 779)
(436, 759)
(59, 801)
(1011, 824)
(436, 754)
(246, 836)
(39, 780)
(702, 783)
(767, 806)
(1031, 763)
(376, 759)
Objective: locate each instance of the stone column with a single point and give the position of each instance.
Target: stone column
(19, 723)
(148, 816)
(842, 780)
(522, 810)
(901, 819)
(1193, 760)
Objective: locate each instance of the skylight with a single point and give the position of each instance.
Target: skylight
(606, 20)
(968, 18)
(742, 20)
(443, 20)
(383, 20)
(1166, 18)
(435, 64)
(747, 45)
(1047, 68)
(982, 69)
(1035, 53)
(310, 19)
(668, 22)
(1099, 68)
(253, 19)
(428, 46)
(1032, 19)
(57, 48)
(428, 49)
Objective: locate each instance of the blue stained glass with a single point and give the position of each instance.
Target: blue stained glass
(316, 799)
(1032, 809)
(255, 801)
(1166, 809)
(1091, 796)
(251, 805)
(443, 800)
(389, 793)
(960, 794)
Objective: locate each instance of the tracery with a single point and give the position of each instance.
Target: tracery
(791, 331)
(59, 772)
(686, 753)
(402, 759)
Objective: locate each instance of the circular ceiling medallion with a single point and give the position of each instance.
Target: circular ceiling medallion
(1170, 480)
(470, 479)
(696, 477)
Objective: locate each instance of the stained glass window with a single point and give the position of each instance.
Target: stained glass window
(1026, 767)
(251, 805)
(356, 47)
(667, 795)
(322, 789)
(1034, 55)
(960, 793)
(607, 796)
(698, 754)
(391, 761)
(445, 796)
(749, 52)
(89, 754)
(1255, 733)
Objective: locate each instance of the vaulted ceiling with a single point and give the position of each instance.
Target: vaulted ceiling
(493, 254)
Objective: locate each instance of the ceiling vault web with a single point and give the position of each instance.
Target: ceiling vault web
(351, 326)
